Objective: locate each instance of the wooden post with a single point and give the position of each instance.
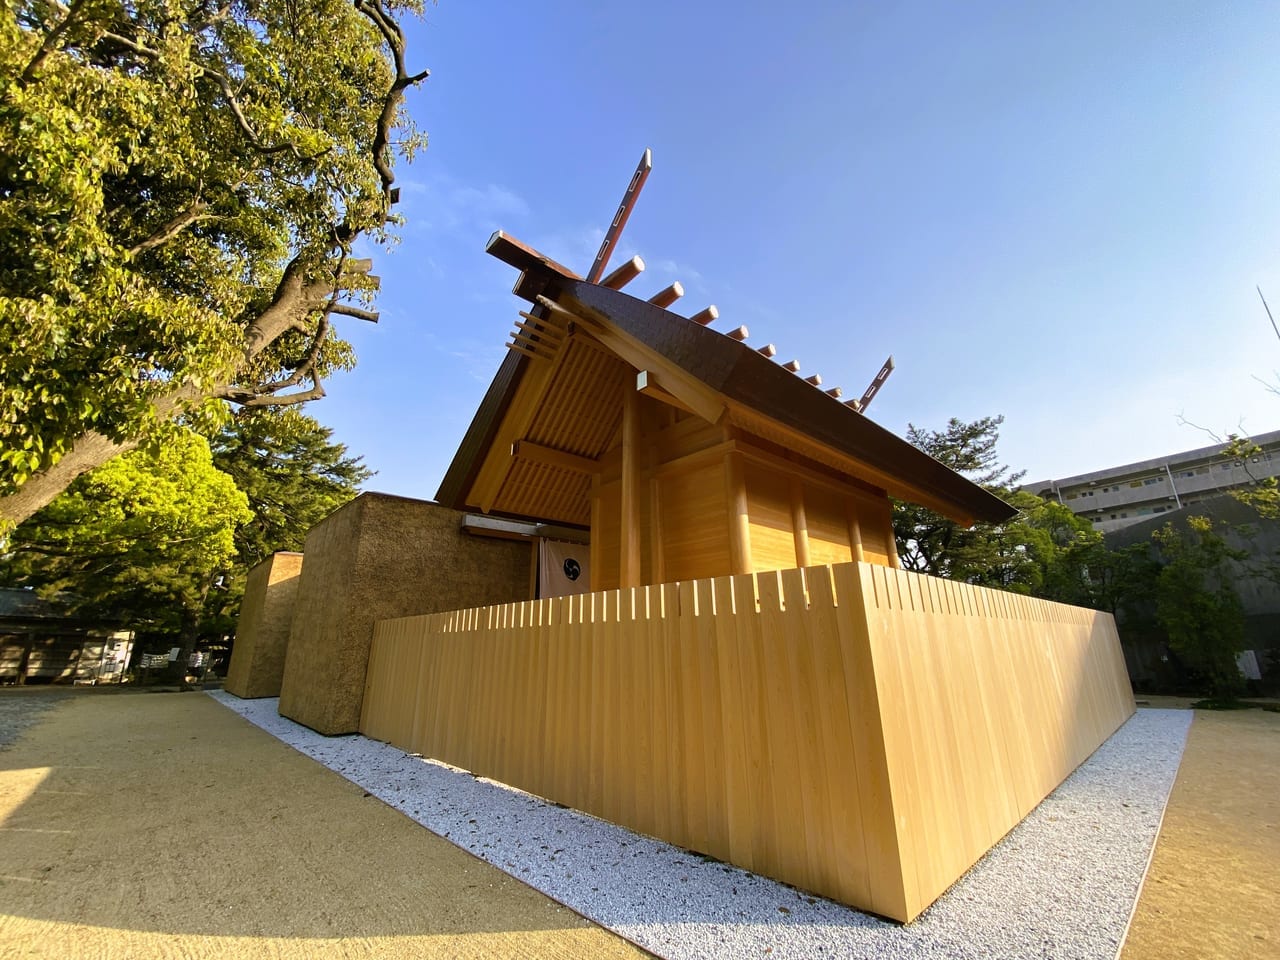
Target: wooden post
(595, 533)
(892, 540)
(855, 529)
(657, 567)
(799, 523)
(629, 534)
(739, 522)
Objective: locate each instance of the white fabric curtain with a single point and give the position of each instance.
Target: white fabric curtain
(563, 568)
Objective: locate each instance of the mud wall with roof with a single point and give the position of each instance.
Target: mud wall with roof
(376, 558)
(262, 634)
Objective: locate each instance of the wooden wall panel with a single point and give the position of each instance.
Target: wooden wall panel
(606, 537)
(773, 543)
(988, 701)
(695, 534)
(854, 730)
(827, 513)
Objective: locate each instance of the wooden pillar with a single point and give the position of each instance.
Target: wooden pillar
(855, 529)
(657, 567)
(799, 523)
(739, 522)
(595, 533)
(629, 534)
(893, 542)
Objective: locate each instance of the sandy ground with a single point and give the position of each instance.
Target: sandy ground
(163, 825)
(1213, 890)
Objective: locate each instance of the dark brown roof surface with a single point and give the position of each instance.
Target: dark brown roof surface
(727, 366)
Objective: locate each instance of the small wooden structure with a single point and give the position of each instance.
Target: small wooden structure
(687, 453)
(750, 675)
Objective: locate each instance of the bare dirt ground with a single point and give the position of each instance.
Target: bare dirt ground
(163, 825)
(1214, 886)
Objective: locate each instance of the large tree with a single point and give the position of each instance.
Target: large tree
(180, 189)
(1044, 551)
(140, 540)
(1197, 603)
(294, 475)
(930, 543)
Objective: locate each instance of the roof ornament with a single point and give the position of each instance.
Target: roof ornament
(629, 199)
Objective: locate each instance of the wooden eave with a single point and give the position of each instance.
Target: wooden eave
(719, 378)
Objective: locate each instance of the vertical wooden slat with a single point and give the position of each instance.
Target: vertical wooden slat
(856, 730)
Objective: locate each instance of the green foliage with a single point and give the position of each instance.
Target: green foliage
(1044, 551)
(294, 476)
(163, 165)
(293, 473)
(1261, 493)
(1197, 605)
(140, 539)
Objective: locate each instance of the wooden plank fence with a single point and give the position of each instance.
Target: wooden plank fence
(855, 730)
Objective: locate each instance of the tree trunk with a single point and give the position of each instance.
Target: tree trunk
(295, 297)
(89, 451)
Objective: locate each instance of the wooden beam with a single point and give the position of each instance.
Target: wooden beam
(629, 197)
(629, 534)
(854, 405)
(545, 334)
(875, 385)
(738, 333)
(562, 315)
(522, 256)
(522, 346)
(647, 384)
(799, 523)
(706, 316)
(537, 453)
(624, 274)
(668, 295)
(688, 389)
(835, 392)
(739, 517)
(792, 365)
(768, 350)
(816, 380)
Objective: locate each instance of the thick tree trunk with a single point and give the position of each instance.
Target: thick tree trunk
(90, 451)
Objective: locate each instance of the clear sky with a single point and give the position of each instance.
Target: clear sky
(1054, 212)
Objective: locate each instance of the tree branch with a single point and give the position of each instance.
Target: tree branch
(193, 214)
(359, 313)
(394, 38)
(50, 42)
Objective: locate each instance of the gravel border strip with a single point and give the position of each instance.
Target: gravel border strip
(1061, 884)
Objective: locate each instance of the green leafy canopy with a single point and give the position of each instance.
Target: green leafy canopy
(179, 190)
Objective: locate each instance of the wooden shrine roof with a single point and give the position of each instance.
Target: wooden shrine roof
(711, 372)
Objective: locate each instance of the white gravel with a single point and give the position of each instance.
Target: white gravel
(1061, 885)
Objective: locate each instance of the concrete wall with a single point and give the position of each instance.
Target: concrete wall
(377, 558)
(262, 635)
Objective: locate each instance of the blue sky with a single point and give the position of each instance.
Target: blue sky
(1053, 212)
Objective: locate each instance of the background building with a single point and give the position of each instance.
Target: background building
(1119, 496)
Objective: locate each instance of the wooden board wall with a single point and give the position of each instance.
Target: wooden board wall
(857, 731)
